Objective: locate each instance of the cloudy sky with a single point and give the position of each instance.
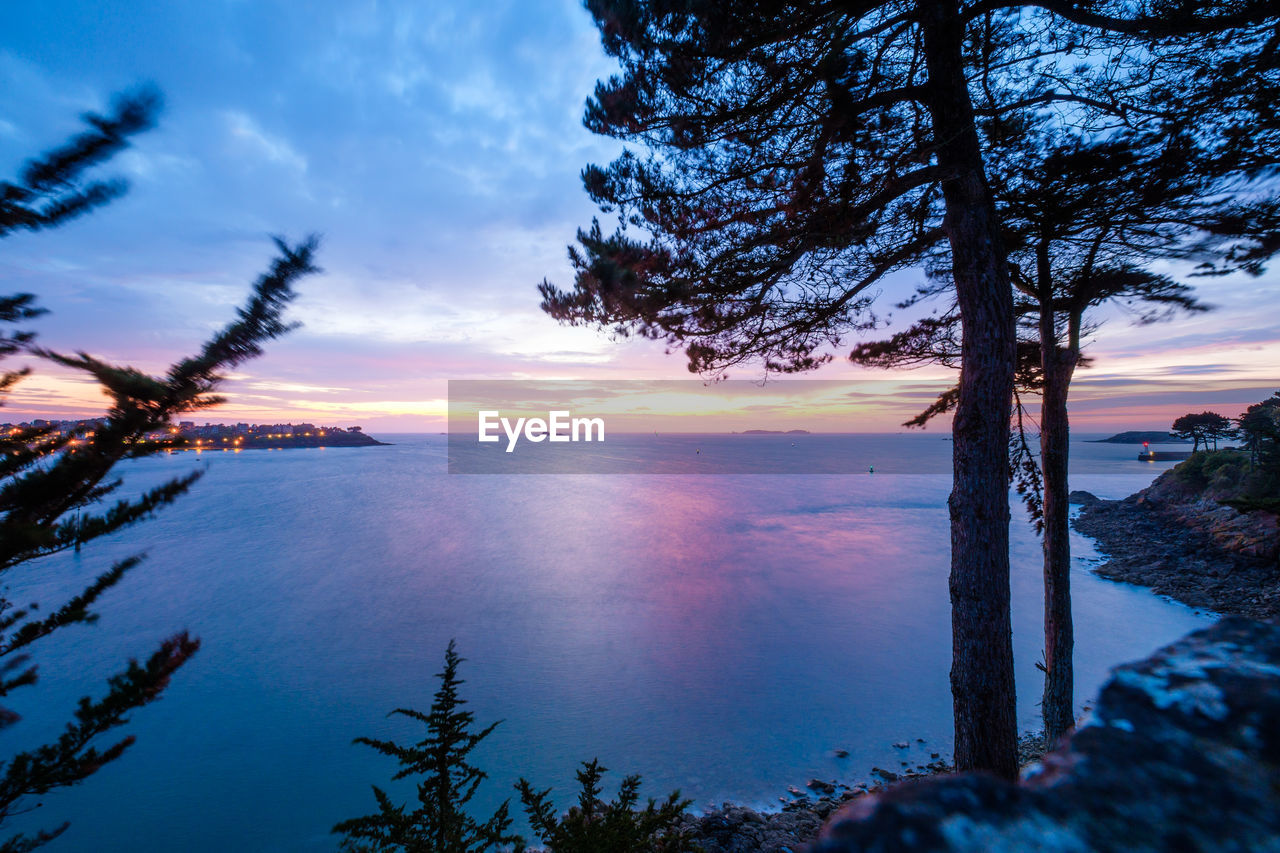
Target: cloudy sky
(436, 147)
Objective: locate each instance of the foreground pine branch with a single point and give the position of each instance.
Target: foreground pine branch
(58, 488)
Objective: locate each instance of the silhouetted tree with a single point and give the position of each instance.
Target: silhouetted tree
(1205, 427)
(801, 151)
(55, 188)
(594, 825)
(1081, 221)
(446, 782)
(55, 483)
(1259, 426)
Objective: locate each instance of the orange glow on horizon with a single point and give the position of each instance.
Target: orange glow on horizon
(1146, 391)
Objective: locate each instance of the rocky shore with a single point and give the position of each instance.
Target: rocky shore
(732, 828)
(1181, 753)
(1177, 539)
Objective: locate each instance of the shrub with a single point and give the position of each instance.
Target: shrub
(447, 783)
(1220, 470)
(594, 826)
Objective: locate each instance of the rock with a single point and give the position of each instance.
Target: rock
(735, 829)
(901, 745)
(1083, 498)
(1186, 546)
(1182, 753)
(842, 753)
(824, 787)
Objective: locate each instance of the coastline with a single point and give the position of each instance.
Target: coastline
(281, 443)
(1182, 544)
(735, 828)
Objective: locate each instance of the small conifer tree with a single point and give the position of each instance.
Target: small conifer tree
(618, 827)
(447, 782)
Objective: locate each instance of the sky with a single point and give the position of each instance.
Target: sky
(436, 147)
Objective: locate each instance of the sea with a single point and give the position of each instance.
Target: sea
(728, 635)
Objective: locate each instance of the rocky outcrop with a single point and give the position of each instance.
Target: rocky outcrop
(1146, 546)
(738, 829)
(1182, 752)
(1175, 537)
(1248, 534)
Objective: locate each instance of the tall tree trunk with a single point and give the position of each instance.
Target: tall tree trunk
(1058, 705)
(982, 686)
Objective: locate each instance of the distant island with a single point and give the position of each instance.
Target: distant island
(773, 432)
(187, 435)
(1139, 437)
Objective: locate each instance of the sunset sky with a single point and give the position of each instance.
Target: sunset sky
(436, 147)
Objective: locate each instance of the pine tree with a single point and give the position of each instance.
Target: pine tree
(56, 483)
(1083, 221)
(594, 825)
(1203, 428)
(801, 151)
(446, 783)
(1259, 426)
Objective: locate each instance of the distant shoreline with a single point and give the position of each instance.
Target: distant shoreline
(772, 432)
(341, 439)
(1142, 437)
(187, 435)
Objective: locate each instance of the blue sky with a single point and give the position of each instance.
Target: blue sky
(436, 147)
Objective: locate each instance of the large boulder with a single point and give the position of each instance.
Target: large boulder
(1182, 752)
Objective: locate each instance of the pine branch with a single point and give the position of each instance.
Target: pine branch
(46, 475)
(74, 611)
(51, 190)
(74, 756)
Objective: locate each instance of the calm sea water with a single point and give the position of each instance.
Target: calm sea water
(721, 634)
